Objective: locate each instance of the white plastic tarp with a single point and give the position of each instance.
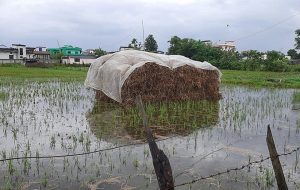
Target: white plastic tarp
(109, 72)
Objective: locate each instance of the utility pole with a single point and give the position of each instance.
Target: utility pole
(143, 36)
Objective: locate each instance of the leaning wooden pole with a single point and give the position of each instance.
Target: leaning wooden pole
(276, 162)
(161, 162)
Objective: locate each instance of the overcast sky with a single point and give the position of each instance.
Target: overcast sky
(254, 24)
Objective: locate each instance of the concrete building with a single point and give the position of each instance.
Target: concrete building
(8, 53)
(80, 59)
(123, 48)
(41, 55)
(67, 50)
(21, 50)
(40, 48)
(88, 52)
(29, 52)
(227, 46)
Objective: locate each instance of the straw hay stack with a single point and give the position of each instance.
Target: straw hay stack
(158, 83)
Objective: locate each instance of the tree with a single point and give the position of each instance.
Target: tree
(151, 44)
(293, 53)
(135, 44)
(297, 39)
(99, 52)
(174, 45)
(275, 61)
(58, 55)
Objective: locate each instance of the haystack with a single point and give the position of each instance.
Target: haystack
(123, 75)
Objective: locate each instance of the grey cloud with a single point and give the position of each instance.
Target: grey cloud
(110, 24)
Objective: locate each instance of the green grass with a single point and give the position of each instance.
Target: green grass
(63, 73)
(296, 97)
(262, 79)
(3, 96)
(21, 73)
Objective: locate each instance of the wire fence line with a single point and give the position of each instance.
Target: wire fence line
(159, 140)
(237, 168)
(82, 153)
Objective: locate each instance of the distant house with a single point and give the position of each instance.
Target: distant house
(80, 59)
(21, 50)
(123, 48)
(227, 46)
(88, 52)
(207, 42)
(8, 53)
(41, 55)
(29, 52)
(14, 54)
(19, 53)
(40, 48)
(67, 50)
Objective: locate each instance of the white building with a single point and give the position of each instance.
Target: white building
(8, 53)
(40, 48)
(29, 52)
(18, 52)
(81, 59)
(21, 50)
(227, 46)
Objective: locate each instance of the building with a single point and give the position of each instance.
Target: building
(29, 52)
(21, 50)
(67, 50)
(41, 55)
(79, 59)
(8, 53)
(207, 42)
(123, 48)
(40, 48)
(227, 46)
(14, 54)
(88, 52)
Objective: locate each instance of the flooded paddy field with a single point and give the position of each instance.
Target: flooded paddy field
(200, 139)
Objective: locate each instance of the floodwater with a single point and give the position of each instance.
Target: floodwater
(200, 139)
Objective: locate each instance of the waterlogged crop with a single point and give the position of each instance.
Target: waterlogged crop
(62, 117)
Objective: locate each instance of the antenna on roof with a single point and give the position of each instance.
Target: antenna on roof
(58, 43)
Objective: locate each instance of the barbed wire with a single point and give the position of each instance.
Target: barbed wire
(83, 153)
(159, 140)
(236, 169)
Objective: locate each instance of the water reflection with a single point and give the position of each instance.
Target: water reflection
(109, 121)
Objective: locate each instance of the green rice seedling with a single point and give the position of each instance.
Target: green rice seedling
(3, 96)
(44, 181)
(135, 163)
(11, 168)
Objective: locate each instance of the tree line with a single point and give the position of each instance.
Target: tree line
(252, 60)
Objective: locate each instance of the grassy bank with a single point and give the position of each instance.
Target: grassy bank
(250, 78)
(22, 73)
(262, 79)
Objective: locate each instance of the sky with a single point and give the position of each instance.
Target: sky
(253, 24)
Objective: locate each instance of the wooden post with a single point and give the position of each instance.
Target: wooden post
(275, 161)
(161, 162)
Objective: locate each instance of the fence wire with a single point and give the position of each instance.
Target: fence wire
(236, 169)
(141, 143)
(82, 153)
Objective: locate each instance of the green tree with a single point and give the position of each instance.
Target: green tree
(297, 39)
(57, 56)
(186, 47)
(174, 45)
(135, 44)
(293, 53)
(151, 44)
(275, 61)
(99, 52)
